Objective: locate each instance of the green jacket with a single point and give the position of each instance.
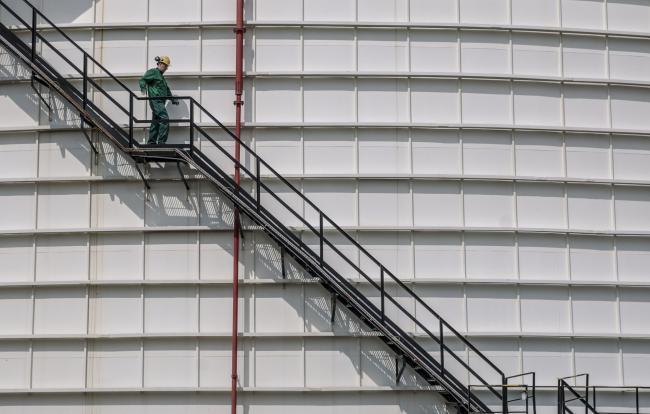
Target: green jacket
(154, 83)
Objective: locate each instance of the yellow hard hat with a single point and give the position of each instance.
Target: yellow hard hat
(163, 59)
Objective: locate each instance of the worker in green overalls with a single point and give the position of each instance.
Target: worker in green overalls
(153, 84)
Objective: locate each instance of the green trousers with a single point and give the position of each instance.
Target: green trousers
(159, 129)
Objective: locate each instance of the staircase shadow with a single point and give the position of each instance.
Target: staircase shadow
(373, 360)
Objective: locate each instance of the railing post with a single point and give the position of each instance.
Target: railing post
(85, 81)
(130, 120)
(534, 393)
(320, 219)
(383, 295)
(442, 349)
(504, 394)
(560, 397)
(587, 395)
(34, 22)
(191, 126)
(258, 186)
(636, 390)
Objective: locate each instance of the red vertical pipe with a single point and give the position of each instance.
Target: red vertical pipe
(239, 87)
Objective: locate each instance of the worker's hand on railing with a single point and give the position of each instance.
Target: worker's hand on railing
(175, 101)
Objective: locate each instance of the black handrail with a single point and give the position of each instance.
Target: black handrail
(324, 218)
(526, 387)
(636, 391)
(325, 223)
(568, 394)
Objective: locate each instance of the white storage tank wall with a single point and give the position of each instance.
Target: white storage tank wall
(558, 166)
(552, 164)
(526, 227)
(109, 290)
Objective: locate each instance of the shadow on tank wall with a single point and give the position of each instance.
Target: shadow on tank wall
(167, 204)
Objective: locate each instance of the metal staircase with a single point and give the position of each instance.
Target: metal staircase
(469, 384)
